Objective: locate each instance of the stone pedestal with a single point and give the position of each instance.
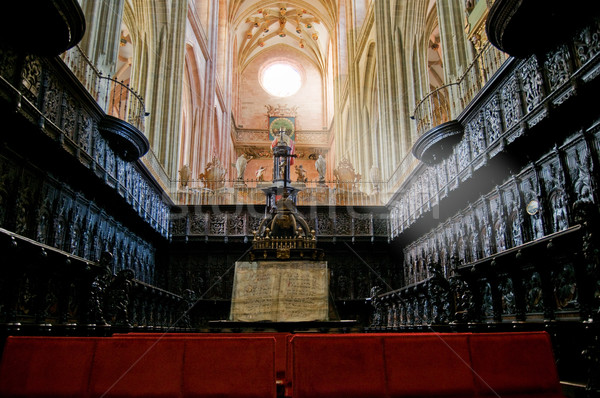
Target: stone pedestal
(286, 291)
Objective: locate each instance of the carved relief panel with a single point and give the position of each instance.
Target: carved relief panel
(511, 102)
(463, 154)
(512, 214)
(487, 300)
(84, 139)
(587, 43)
(532, 83)
(557, 67)
(493, 119)
(441, 174)
(507, 295)
(32, 78)
(53, 100)
(475, 134)
(555, 194)
(565, 288)
(580, 172)
(69, 116)
(99, 149)
(533, 291)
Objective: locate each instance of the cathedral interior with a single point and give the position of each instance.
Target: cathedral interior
(444, 157)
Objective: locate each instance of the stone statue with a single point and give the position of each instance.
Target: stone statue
(300, 174)
(240, 165)
(184, 175)
(375, 178)
(321, 167)
(259, 173)
(214, 174)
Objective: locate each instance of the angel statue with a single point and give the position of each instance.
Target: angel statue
(300, 174)
(259, 173)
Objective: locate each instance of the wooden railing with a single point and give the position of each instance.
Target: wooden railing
(116, 98)
(447, 102)
(436, 108)
(47, 290)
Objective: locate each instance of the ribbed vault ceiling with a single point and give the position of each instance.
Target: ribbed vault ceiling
(305, 26)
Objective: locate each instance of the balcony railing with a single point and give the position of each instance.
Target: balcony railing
(116, 98)
(436, 108)
(447, 102)
(232, 192)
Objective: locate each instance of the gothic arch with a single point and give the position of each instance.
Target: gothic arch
(191, 103)
(370, 115)
(404, 141)
(222, 42)
(432, 47)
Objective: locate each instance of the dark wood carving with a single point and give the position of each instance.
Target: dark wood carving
(49, 28)
(508, 26)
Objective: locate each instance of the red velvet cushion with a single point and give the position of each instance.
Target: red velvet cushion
(280, 350)
(428, 365)
(224, 367)
(48, 367)
(280, 342)
(344, 366)
(127, 367)
(519, 363)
